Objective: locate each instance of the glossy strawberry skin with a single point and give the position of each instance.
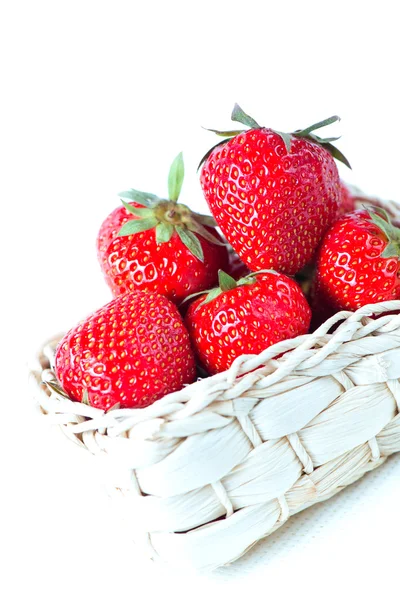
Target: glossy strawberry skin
(138, 262)
(350, 269)
(272, 206)
(247, 320)
(132, 351)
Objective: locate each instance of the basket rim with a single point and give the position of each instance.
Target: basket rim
(244, 369)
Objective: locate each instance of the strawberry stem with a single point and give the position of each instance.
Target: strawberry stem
(240, 116)
(319, 125)
(226, 282)
(175, 178)
(169, 216)
(391, 232)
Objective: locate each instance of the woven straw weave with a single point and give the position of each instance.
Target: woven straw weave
(206, 472)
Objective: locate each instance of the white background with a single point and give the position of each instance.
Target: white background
(97, 97)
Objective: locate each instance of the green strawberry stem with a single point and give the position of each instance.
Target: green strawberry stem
(164, 232)
(391, 232)
(142, 198)
(175, 178)
(239, 116)
(230, 133)
(319, 125)
(168, 216)
(226, 283)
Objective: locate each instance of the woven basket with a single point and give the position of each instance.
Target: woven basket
(206, 472)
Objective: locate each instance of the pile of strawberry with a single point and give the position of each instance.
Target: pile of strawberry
(188, 300)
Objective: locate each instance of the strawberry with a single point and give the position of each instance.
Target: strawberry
(245, 317)
(272, 194)
(160, 245)
(347, 202)
(236, 268)
(132, 351)
(358, 262)
(353, 198)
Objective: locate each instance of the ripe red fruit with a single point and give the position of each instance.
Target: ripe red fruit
(272, 194)
(245, 317)
(353, 198)
(358, 262)
(347, 201)
(160, 245)
(132, 351)
(236, 268)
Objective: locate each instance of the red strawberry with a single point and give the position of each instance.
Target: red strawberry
(132, 351)
(347, 202)
(358, 262)
(160, 245)
(353, 198)
(236, 268)
(272, 194)
(363, 200)
(245, 317)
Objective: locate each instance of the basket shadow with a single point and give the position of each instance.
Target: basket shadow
(304, 527)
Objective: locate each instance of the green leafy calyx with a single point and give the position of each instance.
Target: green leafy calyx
(239, 116)
(85, 397)
(226, 283)
(167, 216)
(308, 133)
(392, 233)
(175, 178)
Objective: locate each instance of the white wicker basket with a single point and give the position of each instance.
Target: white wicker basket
(206, 472)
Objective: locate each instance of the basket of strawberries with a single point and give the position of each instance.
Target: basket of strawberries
(239, 375)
